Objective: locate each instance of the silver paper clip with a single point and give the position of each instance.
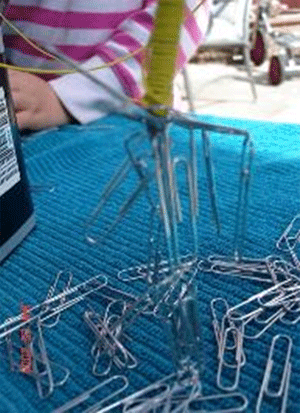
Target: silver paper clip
(54, 305)
(108, 345)
(290, 238)
(85, 396)
(283, 388)
(207, 404)
(159, 390)
(43, 368)
(237, 334)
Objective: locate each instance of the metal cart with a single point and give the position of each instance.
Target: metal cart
(285, 58)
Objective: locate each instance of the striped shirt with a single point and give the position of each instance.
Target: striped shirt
(94, 33)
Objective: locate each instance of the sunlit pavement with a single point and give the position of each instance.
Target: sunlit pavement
(224, 90)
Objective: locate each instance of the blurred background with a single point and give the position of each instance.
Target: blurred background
(219, 81)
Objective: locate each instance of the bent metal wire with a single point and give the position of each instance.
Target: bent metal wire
(54, 306)
(158, 134)
(174, 292)
(266, 390)
(170, 396)
(165, 172)
(156, 167)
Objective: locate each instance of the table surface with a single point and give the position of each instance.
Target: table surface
(78, 161)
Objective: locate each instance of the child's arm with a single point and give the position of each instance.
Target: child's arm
(40, 104)
(80, 96)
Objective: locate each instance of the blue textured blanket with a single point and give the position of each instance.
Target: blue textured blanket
(78, 161)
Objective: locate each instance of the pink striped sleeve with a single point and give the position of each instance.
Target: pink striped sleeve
(131, 34)
(73, 20)
(193, 33)
(134, 32)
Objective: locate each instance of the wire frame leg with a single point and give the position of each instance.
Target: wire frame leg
(247, 57)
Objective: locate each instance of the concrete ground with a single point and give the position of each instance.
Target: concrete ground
(224, 90)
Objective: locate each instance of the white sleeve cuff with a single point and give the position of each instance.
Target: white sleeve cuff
(85, 100)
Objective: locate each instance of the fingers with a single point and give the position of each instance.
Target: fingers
(20, 101)
(35, 103)
(15, 80)
(24, 120)
(27, 120)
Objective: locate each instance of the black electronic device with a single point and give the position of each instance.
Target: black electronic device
(16, 208)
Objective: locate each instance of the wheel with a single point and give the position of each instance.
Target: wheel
(276, 70)
(258, 52)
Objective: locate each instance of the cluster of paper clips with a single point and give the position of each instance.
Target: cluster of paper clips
(171, 291)
(171, 280)
(250, 319)
(109, 333)
(279, 302)
(177, 395)
(19, 330)
(171, 294)
(171, 287)
(150, 156)
(230, 336)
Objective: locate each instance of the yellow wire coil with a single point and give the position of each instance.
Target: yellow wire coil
(163, 48)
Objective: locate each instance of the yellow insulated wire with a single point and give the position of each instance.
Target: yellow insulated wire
(68, 71)
(163, 49)
(44, 52)
(21, 34)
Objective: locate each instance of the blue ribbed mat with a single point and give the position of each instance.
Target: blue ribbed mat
(78, 161)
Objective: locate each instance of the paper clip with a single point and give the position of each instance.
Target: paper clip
(156, 271)
(40, 358)
(248, 268)
(45, 372)
(191, 190)
(290, 239)
(220, 327)
(237, 335)
(279, 269)
(263, 323)
(148, 402)
(290, 236)
(242, 204)
(174, 400)
(159, 390)
(166, 190)
(207, 404)
(53, 306)
(283, 388)
(85, 396)
(186, 334)
(108, 343)
(253, 306)
(291, 316)
(153, 272)
(210, 178)
(112, 294)
(54, 290)
(116, 180)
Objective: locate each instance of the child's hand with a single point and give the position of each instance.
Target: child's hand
(36, 104)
